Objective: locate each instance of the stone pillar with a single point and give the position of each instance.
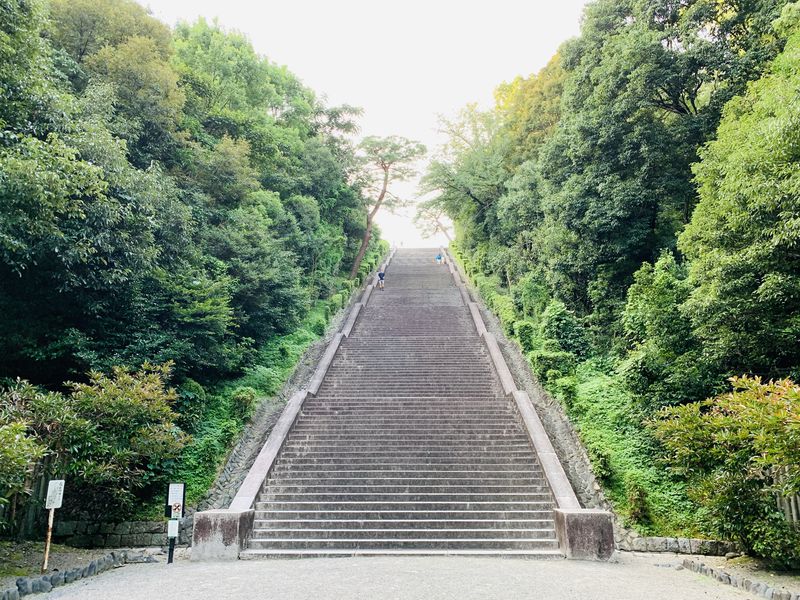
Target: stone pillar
(221, 534)
(584, 534)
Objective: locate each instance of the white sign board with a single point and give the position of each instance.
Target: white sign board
(55, 493)
(175, 497)
(172, 528)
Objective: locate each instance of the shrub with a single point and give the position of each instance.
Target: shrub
(530, 296)
(549, 365)
(561, 324)
(19, 453)
(242, 401)
(266, 380)
(504, 309)
(525, 331)
(565, 388)
(337, 301)
(638, 509)
(190, 404)
(738, 451)
(114, 437)
(318, 326)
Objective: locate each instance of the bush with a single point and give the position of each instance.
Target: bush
(190, 404)
(114, 437)
(266, 380)
(242, 401)
(549, 365)
(487, 288)
(638, 509)
(318, 326)
(566, 388)
(337, 301)
(504, 309)
(738, 451)
(18, 456)
(530, 296)
(525, 331)
(561, 324)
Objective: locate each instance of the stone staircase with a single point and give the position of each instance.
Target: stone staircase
(410, 445)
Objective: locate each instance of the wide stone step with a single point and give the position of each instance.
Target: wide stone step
(405, 524)
(413, 514)
(287, 489)
(409, 472)
(478, 479)
(273, 554)
(411, 543)
(446, 463)
(396, 505)
(266, 535)
(469, 438)
(450, 494)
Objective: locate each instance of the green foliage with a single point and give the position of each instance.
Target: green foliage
(165, 196)
(526, 332)
(550, 365)
(243, 400)
(19, 454)
(190, 402)
(581, 197)
(561, 325)
(503, 307)
(742, 239)
(737, 450)
(113, 438)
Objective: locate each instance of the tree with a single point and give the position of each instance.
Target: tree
(431, 217)
(385, 161)
(743, 237)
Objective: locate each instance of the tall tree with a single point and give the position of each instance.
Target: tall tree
(385, 161)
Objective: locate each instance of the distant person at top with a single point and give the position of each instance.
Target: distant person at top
(381, 275)
(439, 259)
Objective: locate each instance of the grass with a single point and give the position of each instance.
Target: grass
(624, 456)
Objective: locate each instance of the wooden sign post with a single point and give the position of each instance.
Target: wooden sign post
(55, 496)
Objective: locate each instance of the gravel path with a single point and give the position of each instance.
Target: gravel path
(424, 578)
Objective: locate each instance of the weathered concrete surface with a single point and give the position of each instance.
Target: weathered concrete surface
(585, 534)
(266, 458)
(480, 326)
(220, 534)
(506, 379)
(408, 578)
(324, 363)
(553, 471)
(351, 320)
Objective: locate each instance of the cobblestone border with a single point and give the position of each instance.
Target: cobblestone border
(46, 583)
(759, 588)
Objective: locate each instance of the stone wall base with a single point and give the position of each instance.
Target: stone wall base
(584, 533)
(221, 534)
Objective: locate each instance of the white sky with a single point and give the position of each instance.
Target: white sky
(404, 63)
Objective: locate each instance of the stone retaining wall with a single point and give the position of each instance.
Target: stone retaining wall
(128, 534)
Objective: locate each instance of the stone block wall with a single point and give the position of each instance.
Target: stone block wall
(127, 534)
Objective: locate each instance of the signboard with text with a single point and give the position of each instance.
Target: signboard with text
(176, 501)
(55, 493)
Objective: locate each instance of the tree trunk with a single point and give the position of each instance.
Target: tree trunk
(370, 218)
(363, 249)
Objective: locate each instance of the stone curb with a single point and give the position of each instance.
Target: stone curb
(754, 587)
(46, 583)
